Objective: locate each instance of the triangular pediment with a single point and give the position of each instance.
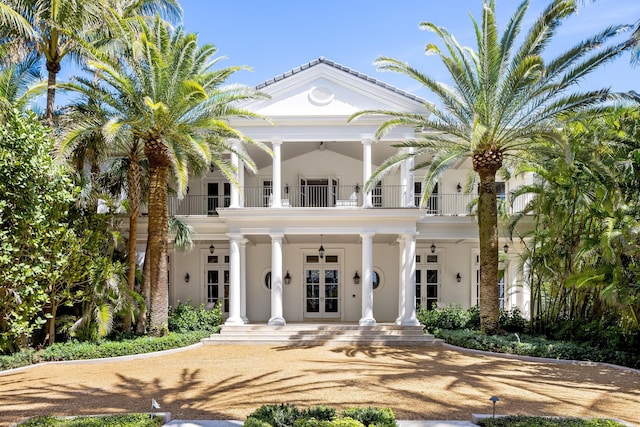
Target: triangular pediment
(324, 88)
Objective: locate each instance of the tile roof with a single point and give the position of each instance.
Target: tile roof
(323, 60)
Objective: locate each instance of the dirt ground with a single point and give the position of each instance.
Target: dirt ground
(231, 381)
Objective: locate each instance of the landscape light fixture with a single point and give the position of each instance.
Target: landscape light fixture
(356, 278)
(321, 249)
(458, 277)
(287, 278)
(212, 248)
(494, 399)
(186, 278)
(433, 248)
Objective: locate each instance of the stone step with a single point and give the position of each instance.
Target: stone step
(322, 334)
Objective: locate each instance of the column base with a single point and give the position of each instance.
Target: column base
(276, 321)
(367, 322)
(410, 322)
(234, 321)
(398, 321)
(245, 319)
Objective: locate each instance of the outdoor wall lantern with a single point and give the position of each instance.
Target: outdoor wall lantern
(211, 249)
(458, 277)
(357, 188)
(505, 248)
(433, 248)
(187, 278)
(287, 278)
(286, 189)
(321, 249)
(356, 278)
(459, 187)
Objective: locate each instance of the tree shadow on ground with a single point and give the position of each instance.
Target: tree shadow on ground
(417, 383)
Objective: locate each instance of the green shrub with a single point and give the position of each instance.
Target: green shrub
(186, 318)
(84, 350)
(339, 422)
(528, 421)
(512, 320)
(379, 417)
(127, 420)
(449, 317)
(320, 412)
(254, 422)
(16, 360)
(280, 415)
(526, 345)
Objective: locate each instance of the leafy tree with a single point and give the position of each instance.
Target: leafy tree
(33, 207)
(583, 250)
(166, 97)
(502, 103)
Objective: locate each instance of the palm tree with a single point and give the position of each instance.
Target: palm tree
(20, 82)
(60, 28)
(503, 102)
(166, 96)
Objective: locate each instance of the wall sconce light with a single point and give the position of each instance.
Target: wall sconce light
(187, 189)
(505, 248)
(287, 278)
(212, 248)
(286, 189)
(356, 278)
(321, 248)
(458, 277)
(186, 278)
(459, 187)
(433, 248)
(357, 188)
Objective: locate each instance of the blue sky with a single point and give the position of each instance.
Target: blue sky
(277, 35)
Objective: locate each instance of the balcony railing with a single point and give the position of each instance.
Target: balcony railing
(337, 196)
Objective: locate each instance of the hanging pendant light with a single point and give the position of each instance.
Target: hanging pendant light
(321, 249)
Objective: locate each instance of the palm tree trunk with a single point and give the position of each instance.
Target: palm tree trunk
(133, 180)
(486, 164)
(53, 68)
(158, 236)
(141, 325)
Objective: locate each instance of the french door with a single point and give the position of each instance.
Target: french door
(218, 288)
(322, 293)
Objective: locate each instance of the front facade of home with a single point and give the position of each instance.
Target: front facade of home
(300, 241)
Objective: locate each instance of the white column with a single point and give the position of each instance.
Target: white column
(243, 280)
(276, 280)
(411, 191)
(410, 318)
(277, 178)
(241, 183)
(234, 281)
(235, 194)
(366, 169)
(367, 280)
(402, 278)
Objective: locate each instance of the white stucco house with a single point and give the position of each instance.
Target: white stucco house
(300, 241)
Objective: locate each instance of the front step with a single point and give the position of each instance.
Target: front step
(312, 334)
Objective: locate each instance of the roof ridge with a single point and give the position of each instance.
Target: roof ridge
(336, 65)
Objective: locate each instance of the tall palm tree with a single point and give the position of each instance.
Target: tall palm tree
(167, 97)
(503, 102)
(57, 29)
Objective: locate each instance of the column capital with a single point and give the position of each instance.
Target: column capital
(276, 141)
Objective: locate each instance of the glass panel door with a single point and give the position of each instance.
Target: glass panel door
(322, 293)
(217, 291)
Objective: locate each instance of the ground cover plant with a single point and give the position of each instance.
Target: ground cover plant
(529, 421)
(289, 415)
(460, 327)
(188, 326)
(127, 420)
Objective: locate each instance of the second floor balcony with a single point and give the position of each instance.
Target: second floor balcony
(336, 197)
